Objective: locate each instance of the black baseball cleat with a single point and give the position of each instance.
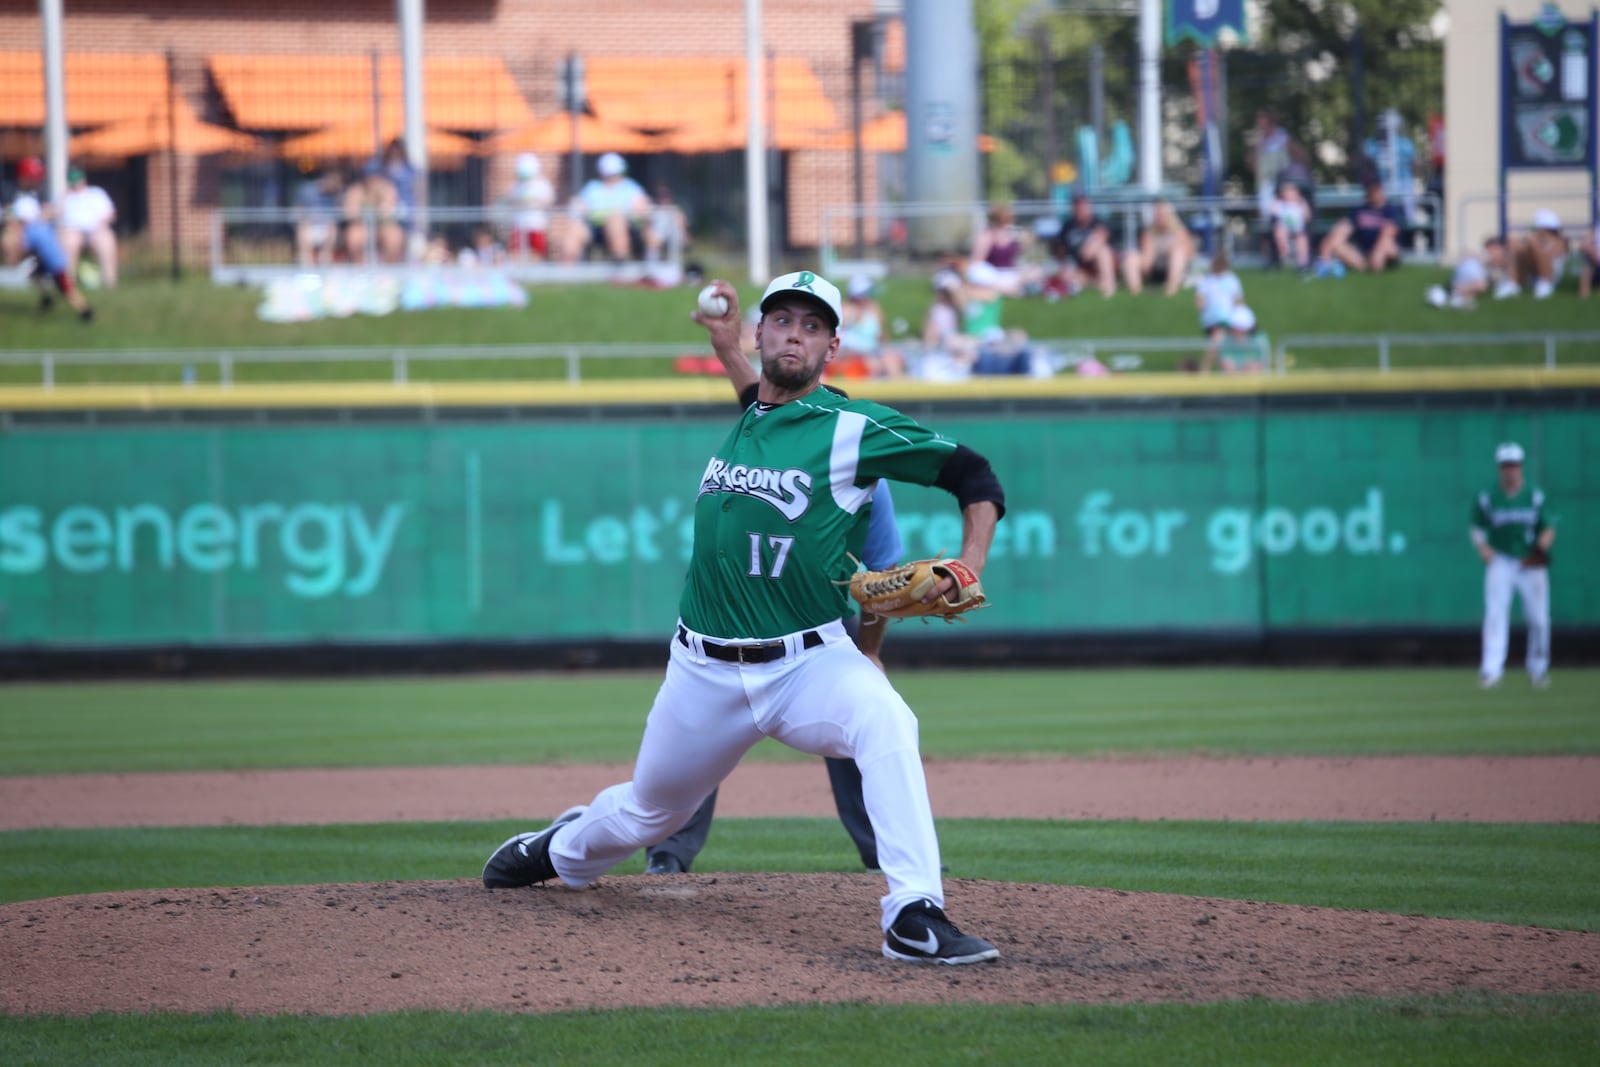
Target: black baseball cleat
(923, 934)
(525, 859)
(665, 863)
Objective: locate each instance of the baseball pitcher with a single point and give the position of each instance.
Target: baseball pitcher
(760, 650)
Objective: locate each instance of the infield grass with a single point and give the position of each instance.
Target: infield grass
(1422, 1032)
(156, 314)
(573, 718)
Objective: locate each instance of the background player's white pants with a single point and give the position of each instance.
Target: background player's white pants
(1532, 584)
(829, 701)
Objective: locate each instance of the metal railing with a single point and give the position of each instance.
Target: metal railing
(1384, 344)
(1527, 202)
(255, 245)
(402, 360)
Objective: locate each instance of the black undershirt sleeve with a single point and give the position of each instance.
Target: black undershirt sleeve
(747, 395)
(968, 476)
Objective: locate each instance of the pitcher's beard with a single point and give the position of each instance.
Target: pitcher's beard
(779, 374)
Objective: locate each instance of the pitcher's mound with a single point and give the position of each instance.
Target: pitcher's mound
(727, 939)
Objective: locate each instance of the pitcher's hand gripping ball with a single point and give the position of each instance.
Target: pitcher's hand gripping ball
(897, 593)
(712, 304)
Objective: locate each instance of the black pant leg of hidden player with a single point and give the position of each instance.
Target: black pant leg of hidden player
(845, 777)
(687, 843)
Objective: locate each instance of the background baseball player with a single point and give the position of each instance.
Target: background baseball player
(1513, 528)
(760, 650)
(882, 549)
(39, 240)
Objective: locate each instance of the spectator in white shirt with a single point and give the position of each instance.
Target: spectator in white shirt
(1216, 294)
(87, 215)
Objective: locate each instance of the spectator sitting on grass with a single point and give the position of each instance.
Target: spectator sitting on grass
(1242, 352)
(1083, 244)
(1216, 294)
(1166, 248)
(1001, 244)
(1590, 247)
(1368, 239)
(1535, 261)
(1472, 277)
(861, 351)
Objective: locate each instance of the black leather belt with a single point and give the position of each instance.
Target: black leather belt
(765, 652)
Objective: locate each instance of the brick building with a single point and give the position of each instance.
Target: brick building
(519, 43)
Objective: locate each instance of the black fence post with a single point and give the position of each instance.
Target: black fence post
(172, 162)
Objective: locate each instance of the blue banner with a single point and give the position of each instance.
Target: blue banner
(1203, 21)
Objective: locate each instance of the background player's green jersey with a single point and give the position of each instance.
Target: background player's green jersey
(783, 504)
(1512, 522)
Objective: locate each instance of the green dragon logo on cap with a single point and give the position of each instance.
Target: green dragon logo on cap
(805, 280)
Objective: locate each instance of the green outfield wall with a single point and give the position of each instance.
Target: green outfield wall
(1187, 521)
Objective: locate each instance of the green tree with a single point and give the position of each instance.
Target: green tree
(1351, 61)
(1318, 63)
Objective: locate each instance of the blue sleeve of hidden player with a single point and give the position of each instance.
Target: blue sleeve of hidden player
(882, 549)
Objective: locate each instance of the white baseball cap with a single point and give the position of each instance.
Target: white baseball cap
(1546, 220)
(527, 165)
(860, 285)
(25, 208)
(805, 283)
(610, 165)
(1508, 452)
(1242, 319)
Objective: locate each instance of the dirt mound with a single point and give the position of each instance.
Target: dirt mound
(727, 939)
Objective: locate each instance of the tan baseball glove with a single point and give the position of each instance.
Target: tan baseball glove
(897, 593)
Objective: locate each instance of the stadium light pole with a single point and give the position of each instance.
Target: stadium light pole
(755, 147)
(410, 16)
(55, 102)
(1150, 95)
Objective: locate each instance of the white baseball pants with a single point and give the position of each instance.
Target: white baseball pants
(1503, 575)
(828, 700)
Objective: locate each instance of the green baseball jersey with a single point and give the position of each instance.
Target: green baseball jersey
(1511, 523)
(783, 504)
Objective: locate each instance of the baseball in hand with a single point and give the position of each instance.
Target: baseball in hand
(713, 305)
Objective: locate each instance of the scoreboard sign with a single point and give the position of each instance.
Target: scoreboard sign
(1547, 89)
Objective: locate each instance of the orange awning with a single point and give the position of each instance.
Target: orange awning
(554, 134)
(473, 93)
(665, 93)
(147, 135)
(351, 141)
(887, 133)
(100, 88)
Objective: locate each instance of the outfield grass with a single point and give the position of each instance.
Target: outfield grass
(156, 314)
(1420, 1031)
(166, 726)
